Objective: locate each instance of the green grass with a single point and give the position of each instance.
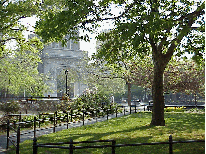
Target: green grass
(132, 128)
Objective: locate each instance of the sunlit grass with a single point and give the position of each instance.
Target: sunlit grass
(134, 128)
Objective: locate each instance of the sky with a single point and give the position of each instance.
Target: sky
(29, 22)
(86, 46)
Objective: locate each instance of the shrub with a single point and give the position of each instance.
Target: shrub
(90, 99)
(195, 110)
(10, 107)
(174, 109)
(47, 106)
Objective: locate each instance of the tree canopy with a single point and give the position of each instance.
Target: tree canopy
(19, 55)
(161, 27)
(183, 76)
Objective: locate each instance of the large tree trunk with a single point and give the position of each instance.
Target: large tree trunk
(158, 98)
(160, 63)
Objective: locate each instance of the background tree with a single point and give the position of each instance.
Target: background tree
(105, 80)
(19, 56)
(160, 27)
(183, 76)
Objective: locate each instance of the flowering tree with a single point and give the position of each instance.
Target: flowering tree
(184, 76)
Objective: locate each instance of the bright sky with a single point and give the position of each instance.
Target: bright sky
(86, 46)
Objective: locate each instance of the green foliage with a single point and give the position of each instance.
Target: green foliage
(19, 55)
(142, 27)
(55, 17)
(49, 106)
(9, 107)
(64, 105)
(90, 99)
(196, 110)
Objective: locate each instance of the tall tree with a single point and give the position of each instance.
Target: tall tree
(157, 26)
(19, 56)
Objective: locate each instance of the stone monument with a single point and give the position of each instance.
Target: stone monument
(56, 59)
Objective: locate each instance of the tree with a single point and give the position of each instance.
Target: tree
(183, 76)
(19, 56)
(105, 79)
(164, 28)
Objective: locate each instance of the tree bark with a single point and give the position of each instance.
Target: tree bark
(158, 97)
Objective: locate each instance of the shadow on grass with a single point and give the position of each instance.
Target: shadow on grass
(133, 128)
(185, 123)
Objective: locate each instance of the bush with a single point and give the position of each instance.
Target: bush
(195, 110)
(47, 106)
(90, 99)
(10, 107)
(175, 109)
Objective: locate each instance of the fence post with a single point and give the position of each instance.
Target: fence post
(170, 145)
(71, 147)
(71, 114)
(7, 138)
(107, 113)
(18, 140)
(116, 111)
(34, 126)
(39, 119)
(67, 120)
(113, 146)
(35, 145)
(54, 122)
(135, 108)
(56, 118)
(83, 118)
(96, 115)
(20, 117)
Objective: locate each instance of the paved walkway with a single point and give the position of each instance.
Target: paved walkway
(29, 134)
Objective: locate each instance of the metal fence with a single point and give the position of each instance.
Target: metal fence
(16, 145)
(54, 118)
(113, 146)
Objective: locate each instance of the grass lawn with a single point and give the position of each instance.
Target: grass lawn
(132, 128)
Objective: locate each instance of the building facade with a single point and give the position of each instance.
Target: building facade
(56, 59)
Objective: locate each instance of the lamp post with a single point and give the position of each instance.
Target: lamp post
(66, 72)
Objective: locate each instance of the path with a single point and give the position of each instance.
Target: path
(29, 134)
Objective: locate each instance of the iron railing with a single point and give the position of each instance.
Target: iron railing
(113, 146)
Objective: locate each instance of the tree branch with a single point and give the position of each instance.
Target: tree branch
(2, 41)
(12, 23)
(200, 11)
(191, 18)
(111, 18)
(2, 3)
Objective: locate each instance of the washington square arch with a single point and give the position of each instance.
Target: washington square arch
(56, 60)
